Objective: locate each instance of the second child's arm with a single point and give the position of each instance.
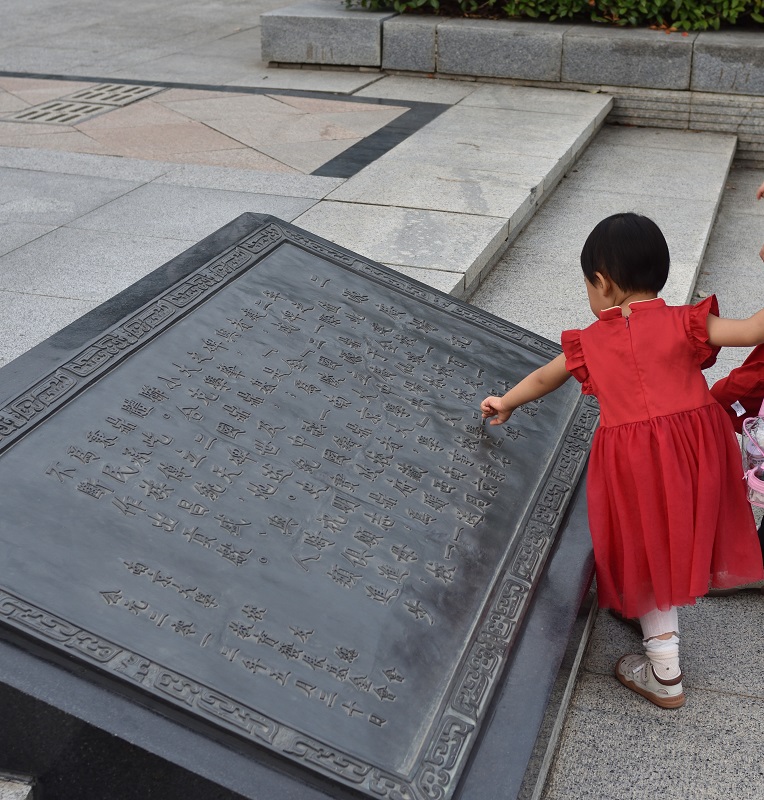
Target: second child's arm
(539, 383)
(735, 332)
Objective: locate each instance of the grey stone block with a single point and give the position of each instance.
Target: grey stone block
(15, 787)
(323, 32)
(500, 49)
(729, 62)
(409, 43)
(620, 57)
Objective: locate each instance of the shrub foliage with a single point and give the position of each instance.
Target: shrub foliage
(687, 15)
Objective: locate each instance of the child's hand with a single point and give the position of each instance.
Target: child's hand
(495, 407)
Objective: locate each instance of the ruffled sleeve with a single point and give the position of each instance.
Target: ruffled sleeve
(574, 359)
(698, 332)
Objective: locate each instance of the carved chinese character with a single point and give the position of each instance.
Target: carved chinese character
(317, 540)
(403, 552)
(97, 437)
(343, 577)
(356, 557)
(116, 422)
(57, 471)
(163, 521)
(159, 491)
(93, 489)
(253, 613)
(383, 596)
(230, 431)
(128, 506)
(153, 394)
(210, 490)
(136, 408)
(193, 535)
(195, 509)
(81, 455)
(418, 610)
(236, 557)
(152, 440)
(205, 397)
(239, 456)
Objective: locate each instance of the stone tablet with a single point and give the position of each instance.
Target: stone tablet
(264, 503)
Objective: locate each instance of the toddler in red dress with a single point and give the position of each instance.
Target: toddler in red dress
(668, 512)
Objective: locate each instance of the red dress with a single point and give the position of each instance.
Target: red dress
(668, 511)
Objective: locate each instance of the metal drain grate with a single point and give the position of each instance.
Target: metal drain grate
(58, 112)
(114, 94)
(83, 104)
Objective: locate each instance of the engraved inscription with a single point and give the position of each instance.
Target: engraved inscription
(276, 481)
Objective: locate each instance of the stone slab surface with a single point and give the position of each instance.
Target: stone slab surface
(183, 212)
(730, 61)
(426, 90)
(482, 157)
(547, 252)
(435, 243)
(61, 264)
(500, 49)
(323, 32)
(15, 787)
(28, 319)
(409, 44)
(622, 57)
(129, 610)
(54, 199)
(716, 739)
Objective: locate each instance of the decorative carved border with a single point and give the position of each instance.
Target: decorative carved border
(477, 680)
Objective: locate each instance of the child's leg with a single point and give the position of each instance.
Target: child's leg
(660, 630)
(656, 675)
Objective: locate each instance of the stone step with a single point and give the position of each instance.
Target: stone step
(16, 787)
(443, 205)
(674, 177)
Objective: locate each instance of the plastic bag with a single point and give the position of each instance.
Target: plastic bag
(753, 457)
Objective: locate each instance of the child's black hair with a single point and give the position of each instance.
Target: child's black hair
(629, 249)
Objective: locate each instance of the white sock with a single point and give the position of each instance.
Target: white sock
(658, 622)
(664, 656)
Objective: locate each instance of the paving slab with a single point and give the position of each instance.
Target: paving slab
(715, 656)
(49, 314)
(54, 198)
(15, 788)
(425, 90)
(239, 180)
(186, 213)
(546, 254)
(307, 80)
(91, 265)
(96, 166)
(709, 749)
(420, 174)
(589, 104)
(17, 234)
(429, 241)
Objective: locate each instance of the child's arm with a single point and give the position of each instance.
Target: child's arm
(543, 381)
(735, 332)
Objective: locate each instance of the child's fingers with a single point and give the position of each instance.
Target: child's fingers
(487, 407)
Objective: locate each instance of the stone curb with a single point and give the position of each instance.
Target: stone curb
(326, 32)
(698, 81)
